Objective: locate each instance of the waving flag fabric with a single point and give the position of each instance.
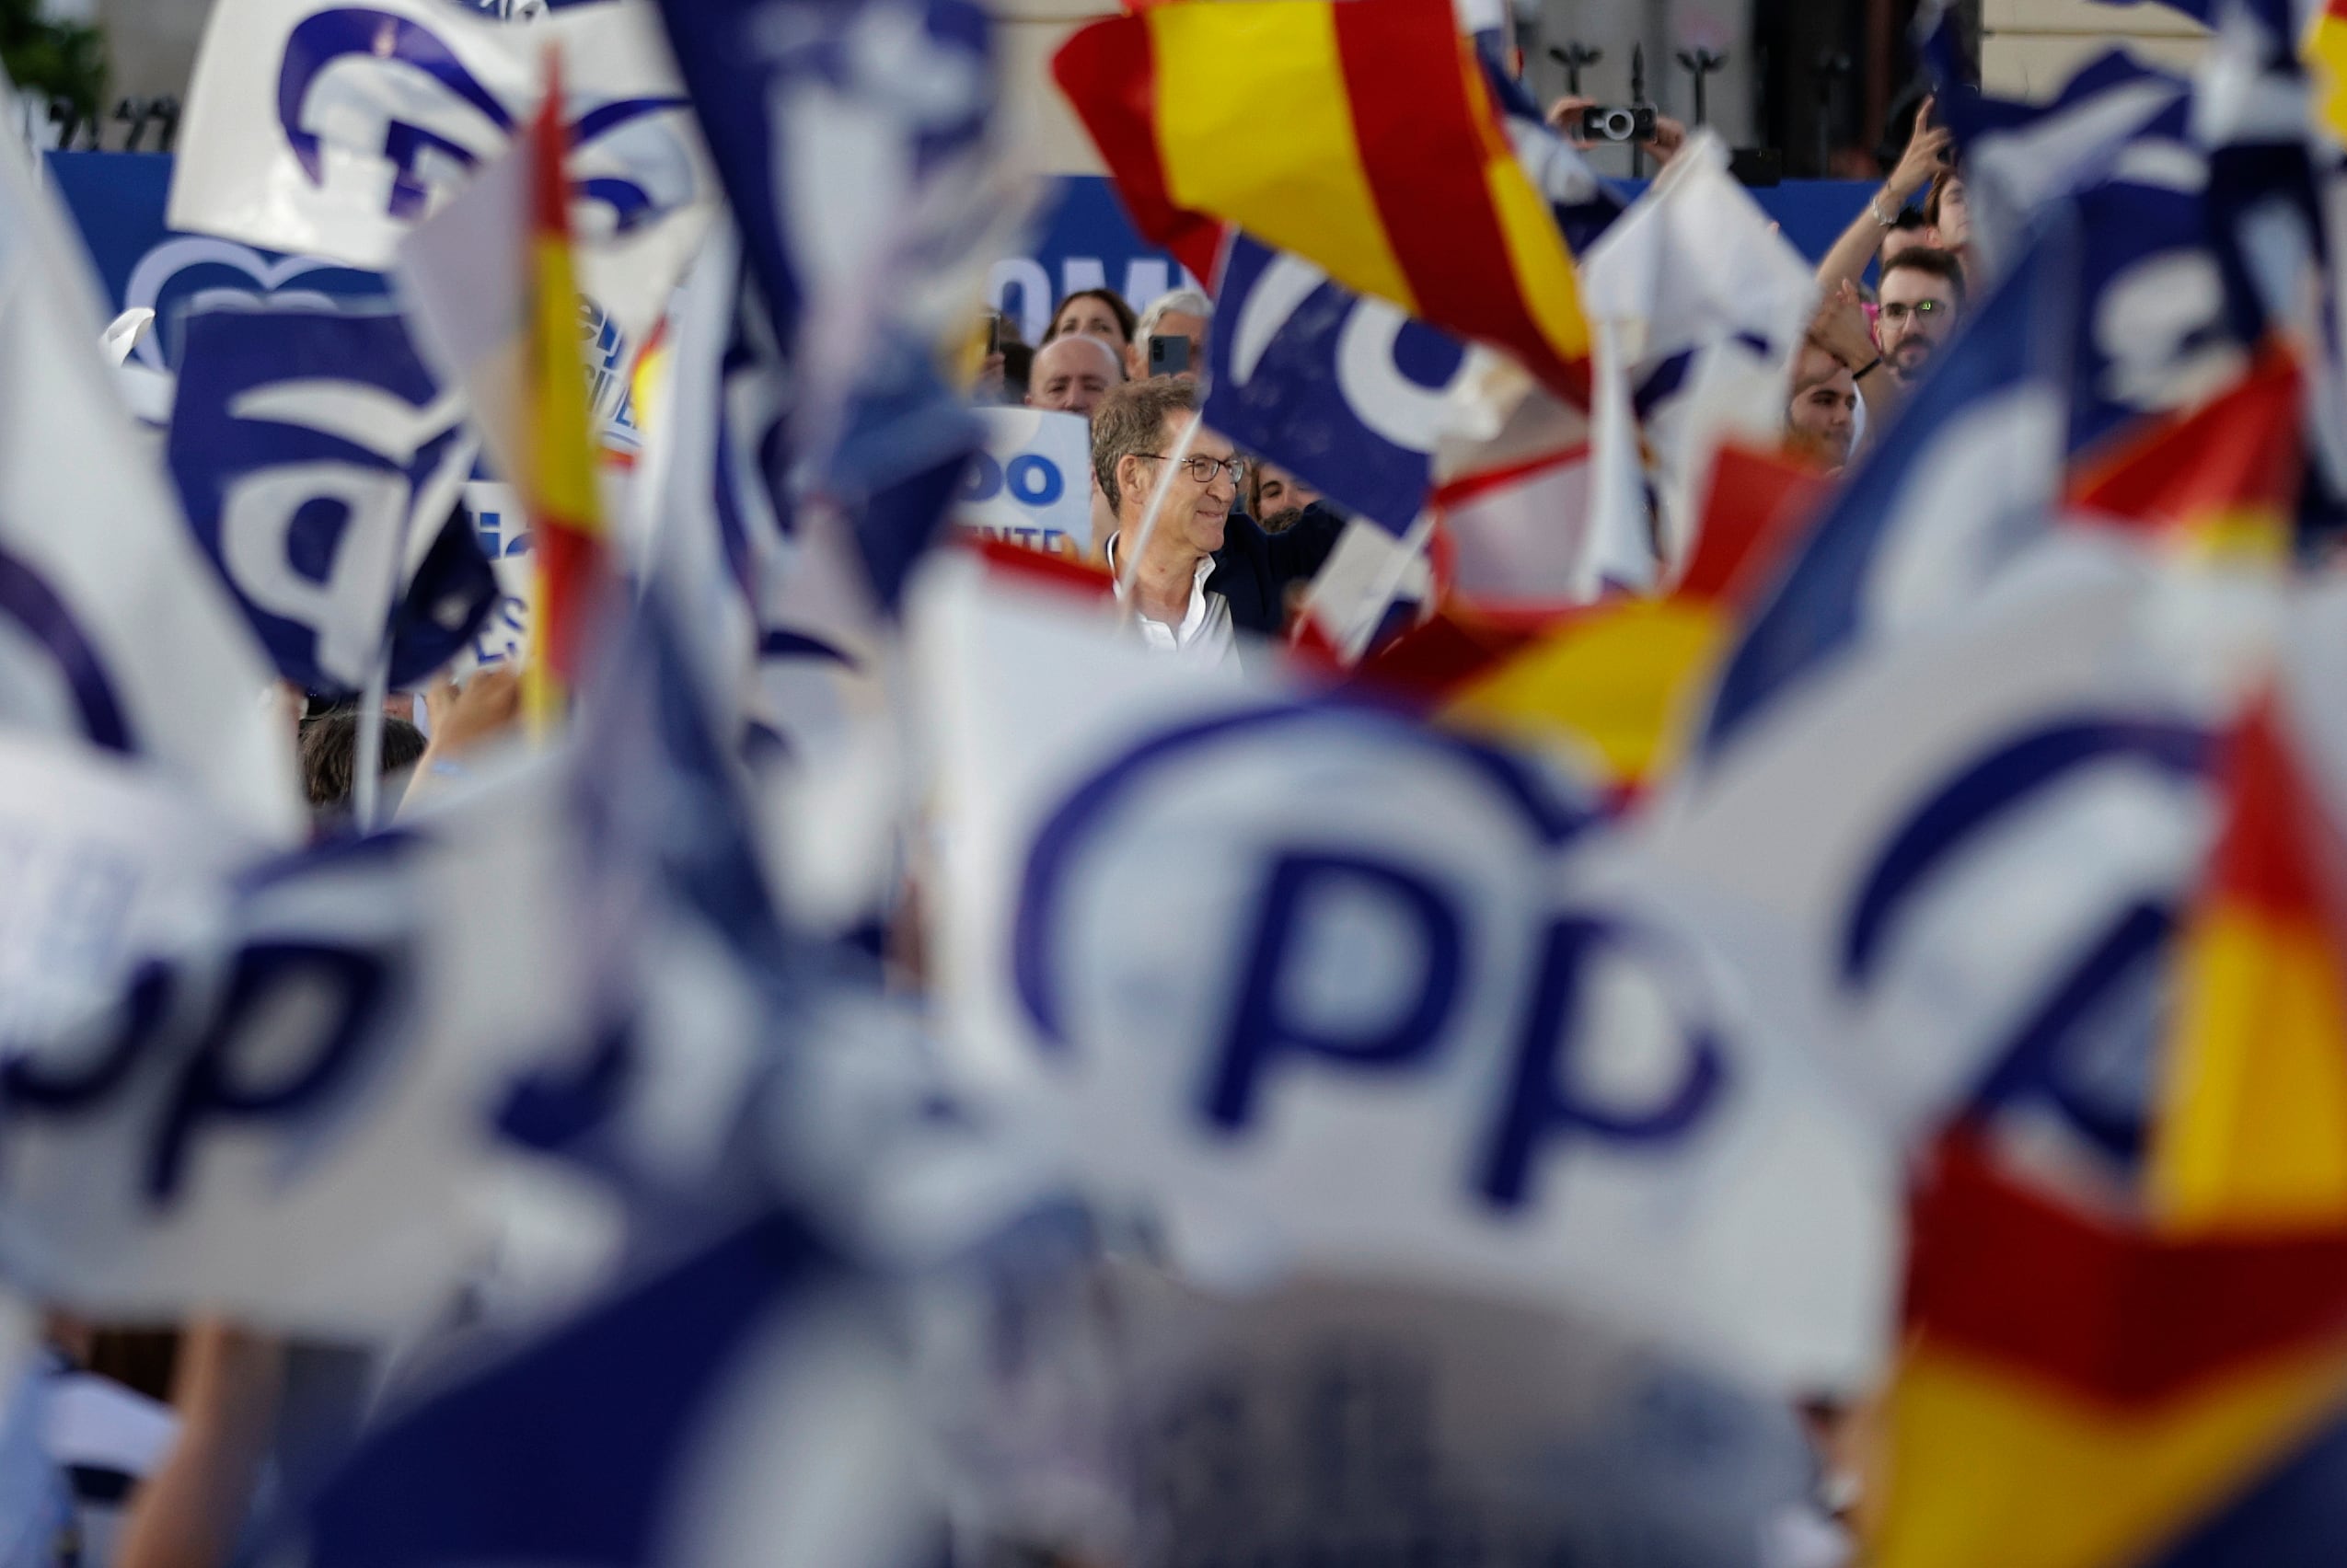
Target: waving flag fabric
(2253, 1134)
(2077, 1395)
(1347, 393)
(1383, 161)
(1617, 678)
(621, 1440)
(2089, 1393)
(325, 128)
(2223, 478)
(115, 632)
(558, 481)
(321, 464)
(857, 146)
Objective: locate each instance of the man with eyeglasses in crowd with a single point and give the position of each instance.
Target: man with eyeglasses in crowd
(1921, 300)
(1201, 573)
(1922, 295)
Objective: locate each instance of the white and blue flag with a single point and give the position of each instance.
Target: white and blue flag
(114, 632)
(1350, 394)
(321, 467)
(327, 129)
(854, 138)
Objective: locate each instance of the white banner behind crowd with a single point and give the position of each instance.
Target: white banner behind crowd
(1321, 987)
(331, 131)
(1032, 483)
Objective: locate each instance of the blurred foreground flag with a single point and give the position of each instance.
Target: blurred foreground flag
(2085, 1393)
(334, 129)
(558, 466)
(113, 629)
(2254, 1135)
(1382, 113)
(322, 466)
(860, 149)
(2220, 481)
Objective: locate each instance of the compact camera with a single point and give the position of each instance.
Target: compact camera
(1618, 122)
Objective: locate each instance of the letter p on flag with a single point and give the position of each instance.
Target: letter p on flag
(1303, 889)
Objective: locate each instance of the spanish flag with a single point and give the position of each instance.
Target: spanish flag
(1614, 680)
(1359, 134)
(558, 483)
(2163, 1391)
(2252, 1136)
(2220, 481)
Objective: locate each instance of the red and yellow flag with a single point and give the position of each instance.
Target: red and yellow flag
(2075, 1392)
(2080, 1391)
(2221, 480)
(558, 483)
(1614, 679)
(1359, 134)
(2252, 1132)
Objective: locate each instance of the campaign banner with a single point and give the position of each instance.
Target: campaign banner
(1030, 485)
(1316, 985)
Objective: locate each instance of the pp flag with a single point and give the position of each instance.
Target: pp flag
(1348, 393)
(114, 630)
(328, 129)
(321, 467)
(287, 1116)
(1384, 112)
(1404, 1008)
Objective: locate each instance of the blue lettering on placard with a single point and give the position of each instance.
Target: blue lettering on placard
(1263, 1028)
(1541, 1105)
(982, 477)
(1035, 482)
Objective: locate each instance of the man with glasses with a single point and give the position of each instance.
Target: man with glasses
(1923, 293)
(1196, 572)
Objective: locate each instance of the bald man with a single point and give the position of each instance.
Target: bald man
(1072, 373)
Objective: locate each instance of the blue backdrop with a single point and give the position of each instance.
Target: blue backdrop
(1082, 242)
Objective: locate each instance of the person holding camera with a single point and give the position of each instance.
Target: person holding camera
(1586, 123)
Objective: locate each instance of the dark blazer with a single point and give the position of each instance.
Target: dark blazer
(1253, 568)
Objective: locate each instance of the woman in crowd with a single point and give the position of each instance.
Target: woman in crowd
(1100, 313)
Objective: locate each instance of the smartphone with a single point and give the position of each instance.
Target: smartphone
(993, 331)
(1168, 356)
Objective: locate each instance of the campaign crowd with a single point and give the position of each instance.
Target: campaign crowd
(1638, 901)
